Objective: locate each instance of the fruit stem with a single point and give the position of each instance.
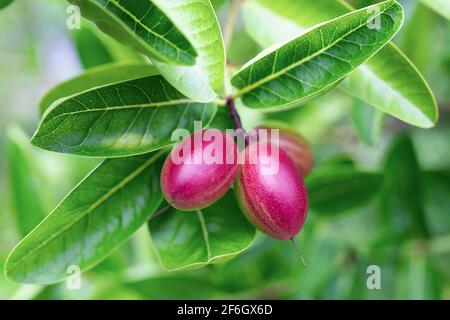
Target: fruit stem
(234, 114)
(298, 253)
(159, 212)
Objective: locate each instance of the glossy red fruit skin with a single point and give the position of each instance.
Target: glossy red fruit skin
(191, 186)
(296, 147)
(275, 204)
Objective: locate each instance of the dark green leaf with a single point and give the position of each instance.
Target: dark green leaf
(5, 3)
(27, 184)
(388, 81)
(317, 60)
(368, 122)
(401, 205)
(104, 210)
(437, 201)
(205, 80)
(337, 189)
(121, 119)
(141, 25)
(91, 50)
(188, 240)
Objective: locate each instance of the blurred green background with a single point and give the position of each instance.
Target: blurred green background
(402, 226)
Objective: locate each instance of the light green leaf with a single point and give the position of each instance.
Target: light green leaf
(121, 119)
(27, 185)
(95, 77)
(388, 81)
(141, 25)
(104, 210)
(189, 240)
(336, 189)
(442, 7)
(317, 60)
(368, 122)
(204, 80)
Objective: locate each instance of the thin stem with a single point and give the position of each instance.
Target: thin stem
(231, 23)
(298, 253)
(234, 114)
(159, 212)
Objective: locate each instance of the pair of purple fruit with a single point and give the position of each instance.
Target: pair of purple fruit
(275, 203)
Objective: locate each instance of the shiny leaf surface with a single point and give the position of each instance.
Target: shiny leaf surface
(104, 210)
(189, 240)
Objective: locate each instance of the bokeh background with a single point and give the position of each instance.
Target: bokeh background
(403, 226)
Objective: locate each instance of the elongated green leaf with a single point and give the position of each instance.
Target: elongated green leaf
(91, 50)
(337, 189)
(121, 119)
(189, 240)
(442, 7)
(401, 205)
(204, 80)
(368, 122)
(106, 208)
(95, 77)
(28, 188)
(388, 81)
(318, 59)
(141, 25)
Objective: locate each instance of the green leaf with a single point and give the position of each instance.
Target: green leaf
(141, 25)
(437, 201)
(368, 122)
(317, 60)
(204, 80)
(388, 81)
(401, 201)
(189, 240)
(28, 187)
(120, 119)
(104, 210)
(336, 189)
(96, 77)
(91, 50)
(5, 3)
(442, 7)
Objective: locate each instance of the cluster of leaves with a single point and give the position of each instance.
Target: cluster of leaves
(127, 112)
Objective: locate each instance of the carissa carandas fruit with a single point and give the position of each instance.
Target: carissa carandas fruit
(295, 145)
(199, 170)
(271, 191)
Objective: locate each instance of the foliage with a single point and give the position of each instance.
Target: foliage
(379, 191)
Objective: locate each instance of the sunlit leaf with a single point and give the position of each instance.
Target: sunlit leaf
(204, 80)
(317, 60)
(104, 210)
(388, 81)
(141, 25)
(119, 119)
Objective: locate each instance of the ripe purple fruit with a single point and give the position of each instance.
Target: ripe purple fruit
(276, 202)
(296, 147)
(199, 170)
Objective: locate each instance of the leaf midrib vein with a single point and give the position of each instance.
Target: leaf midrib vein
(89, 210)
(201, 218)
(137, 21)
(298, 63)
